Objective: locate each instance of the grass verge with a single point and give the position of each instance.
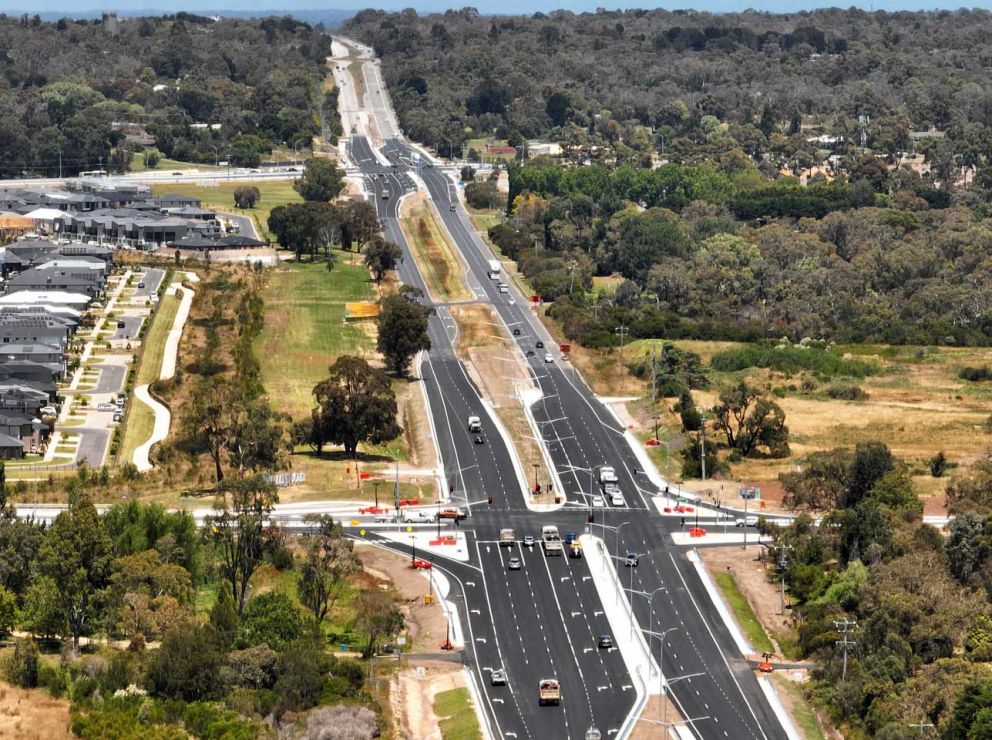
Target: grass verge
(140, 420)
(438, 263)
(456, 716)
(802, 713)
(743, 613)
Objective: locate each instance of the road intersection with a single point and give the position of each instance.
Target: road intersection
(544, 620)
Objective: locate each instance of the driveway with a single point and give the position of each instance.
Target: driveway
(111, 378)
(132, 325)
(152, 279)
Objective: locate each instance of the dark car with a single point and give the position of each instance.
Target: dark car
(605, 642)
(531, 353)
(479, 440)
(516, 332)
(540, 344)
(631, 560)
(452, 208)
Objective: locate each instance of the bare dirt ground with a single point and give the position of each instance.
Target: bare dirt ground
(426, 622)
(413, 698)
(32, 715)
(655, 711)
(762, 595)
(499, 374)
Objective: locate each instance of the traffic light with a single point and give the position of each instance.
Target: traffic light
(590, 518)
(490, 500)
(451, 488)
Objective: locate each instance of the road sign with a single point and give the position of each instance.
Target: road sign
(750, 493)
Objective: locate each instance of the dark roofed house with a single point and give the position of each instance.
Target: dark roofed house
(200, 243)
(11, 448)
(35, 279)
(174, 200)
(25, 428)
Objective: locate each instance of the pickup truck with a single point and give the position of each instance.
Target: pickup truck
(506, 538)
(550, 692)
(607, 475)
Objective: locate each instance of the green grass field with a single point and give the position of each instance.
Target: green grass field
(304, 327)
(459, 721)
(220, 197)
(743, 613)
(140, 420)
(165, 164)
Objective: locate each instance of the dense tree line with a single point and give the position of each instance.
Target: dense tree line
(205, 90)
(135, 574)
(695, 86)
(708, 254)
(921, 601)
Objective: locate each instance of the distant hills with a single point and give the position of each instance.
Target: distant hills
(328, 16)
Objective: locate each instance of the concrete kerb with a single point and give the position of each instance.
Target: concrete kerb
(714, 593)
(776, 704)
(528, 397)
(440, 475)
(626, 633)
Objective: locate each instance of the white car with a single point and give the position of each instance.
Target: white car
(747, 521)
(106, 407)
(549, 358)
(617, 499)
(47, 411)
(598, 502)
(511, 301)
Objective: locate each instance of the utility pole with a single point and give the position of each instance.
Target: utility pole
(702, 446)
(622, 332)
(396, 489)
(654, 381)
(782, 564)
(844, 627)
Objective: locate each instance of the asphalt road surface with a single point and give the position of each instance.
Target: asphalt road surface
(132, 325)
(545, 616)
(152, 280)
(111, 379)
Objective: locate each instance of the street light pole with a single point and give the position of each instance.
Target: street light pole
(616, 552)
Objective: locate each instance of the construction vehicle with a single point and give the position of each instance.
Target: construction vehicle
(506, 538)
(552, 540)
(765, 666)
(550, 692)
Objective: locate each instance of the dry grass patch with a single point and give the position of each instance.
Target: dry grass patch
(32, 715)
(437, 260)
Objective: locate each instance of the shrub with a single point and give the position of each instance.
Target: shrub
(938, 465)
(21, 666)
(846, 393)
(271, 618)
(975, 374)
(790, 359)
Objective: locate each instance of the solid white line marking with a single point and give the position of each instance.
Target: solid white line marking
(476, 611)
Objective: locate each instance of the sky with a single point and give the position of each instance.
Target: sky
(89, 7)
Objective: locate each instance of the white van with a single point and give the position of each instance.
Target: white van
(746, 521)
(418, 515)
(503, 288)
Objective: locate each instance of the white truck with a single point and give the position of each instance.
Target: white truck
(494, 269)
(552, 540)
(607, 475)
(507, 538)
(474, 424)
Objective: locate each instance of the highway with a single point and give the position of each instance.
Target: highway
(710, 681)
(520, 621)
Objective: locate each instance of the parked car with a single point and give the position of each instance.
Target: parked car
(106, 407)
(48, 411)
(141, 284)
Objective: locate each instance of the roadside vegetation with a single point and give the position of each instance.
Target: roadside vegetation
(437, 259)
(743, 614)
(456, 715)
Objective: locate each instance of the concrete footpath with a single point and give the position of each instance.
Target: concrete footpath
(163, 418)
